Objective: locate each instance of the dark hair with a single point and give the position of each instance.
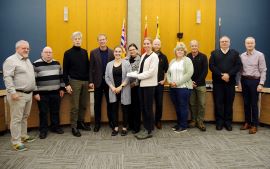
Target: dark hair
(133, 45)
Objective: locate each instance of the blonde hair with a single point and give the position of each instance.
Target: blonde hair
(180, 46)
(149, 39)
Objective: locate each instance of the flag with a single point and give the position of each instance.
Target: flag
(123, 43)
(145, 33)
(158, 34)
(145, 28)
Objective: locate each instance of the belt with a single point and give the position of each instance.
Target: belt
(26, 92)
(251, 77)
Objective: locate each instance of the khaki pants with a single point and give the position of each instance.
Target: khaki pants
(197, 103)
(79, 99)
(19, 112)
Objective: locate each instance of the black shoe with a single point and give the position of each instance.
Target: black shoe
(114, 132)
(124, 132)
(176, 127)
(76, 132)
(83, 126)
(111, 125)
(42, 135)
(96, 128)
(135, 131)
(58, 131)
(219, 127)
(228, 127)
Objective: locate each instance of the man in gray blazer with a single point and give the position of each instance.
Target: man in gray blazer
(99, 58)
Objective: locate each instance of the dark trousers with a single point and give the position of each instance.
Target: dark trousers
(98, 94)
(146, 101)
(180, 99)
(159, 102)
(250, 96)
(115, 112)
(223, 98)
(134, 116)
(49, 103)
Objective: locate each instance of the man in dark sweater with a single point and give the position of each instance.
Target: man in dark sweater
(224, 63)
(76, 74)
(99, 58)
(50, 89)
(197, 98)
(162, 70)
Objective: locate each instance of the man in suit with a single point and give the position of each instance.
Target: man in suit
(99, 58)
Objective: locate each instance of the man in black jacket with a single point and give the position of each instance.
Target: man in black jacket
(162, 71)
(197, 98)
(224, 63)
(99, 58)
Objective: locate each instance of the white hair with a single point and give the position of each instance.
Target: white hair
(76, 34)
(20, 42)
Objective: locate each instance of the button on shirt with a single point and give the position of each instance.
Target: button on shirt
(18, 74)
(254, 65)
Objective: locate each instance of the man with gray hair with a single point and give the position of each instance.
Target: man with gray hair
(75, 75)
(197, 97)
(19, 80)
(224, 63)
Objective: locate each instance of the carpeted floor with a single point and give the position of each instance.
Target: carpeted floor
(166, 150)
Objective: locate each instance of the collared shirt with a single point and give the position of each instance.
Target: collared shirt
(225, 51)
(18, 74)
(254, 65)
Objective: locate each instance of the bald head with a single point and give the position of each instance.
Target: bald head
(46, 54)
(250, 44)
(194, 46)
(156, 45)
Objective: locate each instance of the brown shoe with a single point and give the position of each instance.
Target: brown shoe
(246, 126)
(192, 124)
(253, 130)
(159, 125)
(201, 126)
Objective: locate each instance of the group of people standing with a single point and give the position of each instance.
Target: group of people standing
(135, 82)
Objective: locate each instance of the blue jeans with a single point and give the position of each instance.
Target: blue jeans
(180, 99)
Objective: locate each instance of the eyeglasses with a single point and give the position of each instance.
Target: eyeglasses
(25, 48)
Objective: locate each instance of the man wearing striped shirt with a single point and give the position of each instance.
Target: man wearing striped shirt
(50, 89)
